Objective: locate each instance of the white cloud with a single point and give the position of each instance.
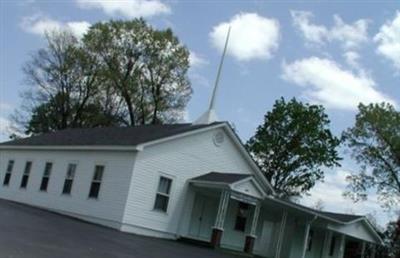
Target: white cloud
(311, 32)
(195, 60)
(327, 83)
(352, 58)
(388, 40)
(252, 36)
(348, 35)
(78, 28)
(39, 25)
(127, 8)
(199, 80)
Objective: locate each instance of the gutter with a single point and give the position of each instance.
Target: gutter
(72, 147)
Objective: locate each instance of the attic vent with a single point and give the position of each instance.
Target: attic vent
(218, 138)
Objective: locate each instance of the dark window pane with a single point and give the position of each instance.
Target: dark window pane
(164, 186)
(240, 223)
(71, 171)
(43, 185)
(310, 239)
(7, 178)
(94, 190)
(28, 166)
(332, 248)
(47, 169)
(24, 181)
(161, 202)
(241, 217)
(67, 186)
(10, 165)
(98, 173)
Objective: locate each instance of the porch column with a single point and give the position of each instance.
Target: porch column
(362, 249)
(281, 234)
(373, 251)
(306, 236)
(218, 228)
(342, 246)
(249, 242)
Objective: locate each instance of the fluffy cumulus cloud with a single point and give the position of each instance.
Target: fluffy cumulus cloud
(252, 36)
(388, 39)
(196, 60)
(127, 8)
(328, 83)
(348, 35)
(39, 25)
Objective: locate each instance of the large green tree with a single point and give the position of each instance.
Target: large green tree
(374, 142)
(147, 68)
(120, 73)
(293, 145)
(64, 85)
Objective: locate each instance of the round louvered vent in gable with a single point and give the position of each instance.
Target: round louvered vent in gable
(218, 138)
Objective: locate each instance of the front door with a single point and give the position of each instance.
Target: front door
(203, 217)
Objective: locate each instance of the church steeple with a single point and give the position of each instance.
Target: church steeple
(210, 115)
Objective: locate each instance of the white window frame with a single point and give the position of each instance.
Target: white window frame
(66, 177)
(96, 180)
(46, 176)
(26, 173)
(169, 195)
(9, 171)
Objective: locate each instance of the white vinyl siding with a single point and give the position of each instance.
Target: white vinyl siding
(108, 210)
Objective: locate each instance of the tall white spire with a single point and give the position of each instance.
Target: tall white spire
(210, 116)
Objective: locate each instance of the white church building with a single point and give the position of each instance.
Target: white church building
(181, 181)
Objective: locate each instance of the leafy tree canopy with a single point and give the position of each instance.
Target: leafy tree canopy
(374, 142)
(120, 73)
(146, 67)
(292, 146)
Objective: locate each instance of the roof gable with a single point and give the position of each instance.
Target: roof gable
(242, 184)
(249, 186)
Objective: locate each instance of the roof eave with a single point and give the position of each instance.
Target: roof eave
(71, 147)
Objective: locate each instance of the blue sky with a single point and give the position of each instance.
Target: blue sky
(334, 53)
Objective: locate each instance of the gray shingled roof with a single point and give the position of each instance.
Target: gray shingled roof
(345, 218)
(106, 136)
(216, 177)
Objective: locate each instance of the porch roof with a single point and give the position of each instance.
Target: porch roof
(242, 186)
(337, 221)
(345, 218)
(333, 216)
(224, 178)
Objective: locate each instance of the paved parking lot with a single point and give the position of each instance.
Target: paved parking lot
(30, 232)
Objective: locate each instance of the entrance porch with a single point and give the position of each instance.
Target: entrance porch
(232, 211)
